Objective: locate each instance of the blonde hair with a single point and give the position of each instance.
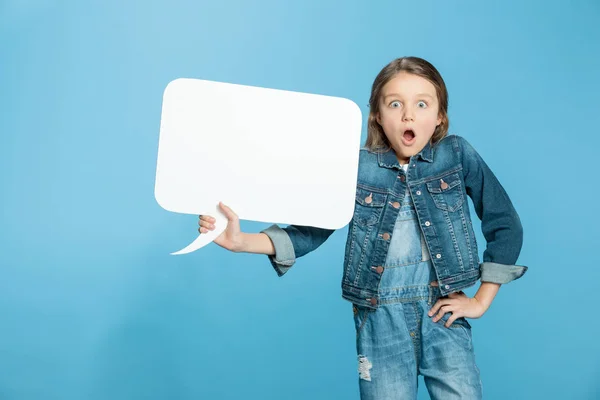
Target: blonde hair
(376, 139)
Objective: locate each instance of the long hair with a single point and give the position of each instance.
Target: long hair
(376, 139)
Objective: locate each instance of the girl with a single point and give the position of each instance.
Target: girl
(411, 247)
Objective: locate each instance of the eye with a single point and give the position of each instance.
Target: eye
(395, 104)
(422, 104)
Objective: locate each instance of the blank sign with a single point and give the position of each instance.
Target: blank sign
(273, 156)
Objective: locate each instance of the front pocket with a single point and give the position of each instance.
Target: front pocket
(446, 192)
(368, 206)
(458, 322)
(460, 329)
(361, 315)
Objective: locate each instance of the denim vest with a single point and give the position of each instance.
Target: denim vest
(438, 179)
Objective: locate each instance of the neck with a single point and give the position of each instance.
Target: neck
(402, 160)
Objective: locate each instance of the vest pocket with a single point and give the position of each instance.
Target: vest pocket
(446, 192)
(368, 206)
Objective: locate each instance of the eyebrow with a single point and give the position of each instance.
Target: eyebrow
(418, 95)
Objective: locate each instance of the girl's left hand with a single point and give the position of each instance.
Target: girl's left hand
(460, 305)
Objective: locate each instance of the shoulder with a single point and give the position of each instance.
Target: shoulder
(456, 144)
(367, 158)
(369, 171)
(368, 154)
(450, 142)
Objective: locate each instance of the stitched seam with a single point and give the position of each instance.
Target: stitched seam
(362, 323)
(468, 237)
(351, 253)
(372, 188)
(417, 342)
(404, 300)
(418, 260)
(454, 241)
(439, 176)
(363, 255)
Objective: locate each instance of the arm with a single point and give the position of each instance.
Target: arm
(500, 222)
(292, 242)
(460, 305)
(282, 246)
(503, 233)
(256, 243)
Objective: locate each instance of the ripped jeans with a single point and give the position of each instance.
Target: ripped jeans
(399, 341)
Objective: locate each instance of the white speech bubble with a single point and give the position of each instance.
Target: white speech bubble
(271, 155)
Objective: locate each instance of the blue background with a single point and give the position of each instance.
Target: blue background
(92, 306)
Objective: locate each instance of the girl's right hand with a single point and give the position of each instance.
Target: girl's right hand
(232, 238)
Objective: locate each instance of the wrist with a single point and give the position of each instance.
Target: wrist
(486, 294)
(484, 300)
(242, 245)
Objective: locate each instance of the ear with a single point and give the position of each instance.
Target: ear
(439, 120)
(378, 118)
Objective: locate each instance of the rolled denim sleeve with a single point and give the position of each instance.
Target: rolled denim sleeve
(500, 223)
(500, 273)
(292, 242)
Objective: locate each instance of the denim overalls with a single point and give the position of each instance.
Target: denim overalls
(399, 341)
(387, 272)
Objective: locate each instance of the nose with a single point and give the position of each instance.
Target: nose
(408, 115)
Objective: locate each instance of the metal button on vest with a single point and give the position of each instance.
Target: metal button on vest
(386, 236)
(402, 178)
(373, 301)
(438, 256)
(369, 199)
(396, 204)
(427, 223)
(379, 269)
(418, 192)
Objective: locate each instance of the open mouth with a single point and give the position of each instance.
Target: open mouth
(408, 137)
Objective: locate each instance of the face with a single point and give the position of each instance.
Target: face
(408, 114)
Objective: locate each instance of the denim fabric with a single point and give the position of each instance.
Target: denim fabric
(398, 341)
(439, 181)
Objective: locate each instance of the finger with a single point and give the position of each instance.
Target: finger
(231, 216)
(434, 309)
(438, 304)
(443, 311)
(202, 230)
(207, 218)
(452, 318)
(455, 295)
(205, 224)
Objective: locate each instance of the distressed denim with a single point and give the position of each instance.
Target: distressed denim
(398, 341)
(439, 180)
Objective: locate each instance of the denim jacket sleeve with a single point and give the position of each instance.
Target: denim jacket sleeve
(293, 241)
(500, 222)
